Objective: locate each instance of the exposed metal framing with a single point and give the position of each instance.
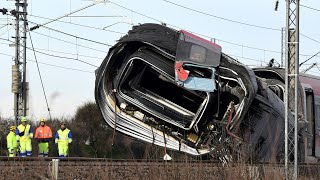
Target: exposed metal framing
(283, 47)
(20, 97)
(291, 81)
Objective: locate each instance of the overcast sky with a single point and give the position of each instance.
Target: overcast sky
(68, 89)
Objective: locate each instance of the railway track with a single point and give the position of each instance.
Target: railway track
(102, 168)
(108, 160)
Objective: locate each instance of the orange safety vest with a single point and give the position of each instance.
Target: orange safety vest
(43, 132)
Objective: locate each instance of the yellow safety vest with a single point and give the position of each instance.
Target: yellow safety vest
(11, 140)
(63, 137)
(23, 132)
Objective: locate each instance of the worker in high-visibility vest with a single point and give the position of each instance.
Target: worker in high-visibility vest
(63, 139)
(12, 142)
(43, 136)
(24, 134)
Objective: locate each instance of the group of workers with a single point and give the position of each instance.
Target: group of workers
(19, 139)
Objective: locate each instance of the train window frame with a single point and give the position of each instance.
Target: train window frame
(317, 125)
(310, 128)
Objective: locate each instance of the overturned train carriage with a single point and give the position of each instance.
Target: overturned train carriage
(176, 90)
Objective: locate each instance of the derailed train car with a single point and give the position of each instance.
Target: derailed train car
(176, 90)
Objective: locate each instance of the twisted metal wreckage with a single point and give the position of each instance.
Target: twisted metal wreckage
(177, 90)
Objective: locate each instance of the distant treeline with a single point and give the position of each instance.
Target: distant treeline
(92, 137)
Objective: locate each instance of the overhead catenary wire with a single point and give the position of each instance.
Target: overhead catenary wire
(232, 55)
(308, 7)
(56, 56)
(309, 58)
(228, 42)
(62, 57)
(68, 53)
(78, 10)
(96, 16)
(62, 40)
(6, 31)
(235, 21)
(238, 22)
(233, 43)
(44, 92)
(312, 39)
(63, 67)
(68, 34)
(77, 24)
(206, 36)
(4, 25)
(318, 67)
(223, 18)
(52, 65)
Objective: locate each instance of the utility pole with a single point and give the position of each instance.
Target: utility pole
(291, 88)
(19, 69)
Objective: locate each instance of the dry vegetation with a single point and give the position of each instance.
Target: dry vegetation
(146, 170)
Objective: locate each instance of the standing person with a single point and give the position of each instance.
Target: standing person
(63, 139)
(12, 142)
(43, 135)
(24, 134)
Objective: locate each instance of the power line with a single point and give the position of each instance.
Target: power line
(255, 48)
(52, 65)
(44, 92)
(78, 37)
(237, 56)
(183, 28)
(241, 45)
(141, 14)
(4, 26)
(318, 67)
(222, 18)
(81, 25)
(62, 52)
(53, 20)
(206, 36)
(62, 57)
(68, 53)
(308, 7)
(96, 16)
(309, 58)
(68, 42)
(6, 31)
(312, 39)
(238, 22)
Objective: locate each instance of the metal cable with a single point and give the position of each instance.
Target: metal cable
(318, 67)
(44, 92)
(69, 42)
(222, 18)
(308, 7)
(62, 57)
(52, 65)
(81, 25)
(309, 58)
(232, 55)
(69, 53)
(40, 25)
(206, 36)
(73, 35)
(4, 26)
